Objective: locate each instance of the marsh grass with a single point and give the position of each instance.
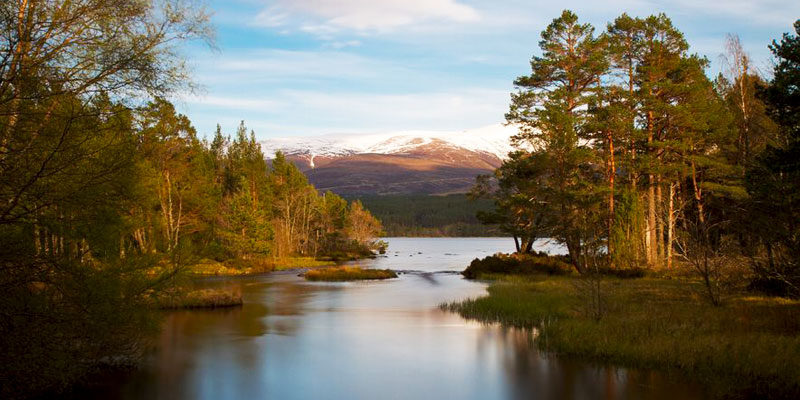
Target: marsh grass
(298, 263)
(203, 298)
(207, 267)
(749, 347)
(340, 274)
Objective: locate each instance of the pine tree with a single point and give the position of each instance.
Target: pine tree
(773, 181)
(619, 112)
(551, 108)
(520, 210)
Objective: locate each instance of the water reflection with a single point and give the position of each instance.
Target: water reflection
(368, 340)
(533, 375)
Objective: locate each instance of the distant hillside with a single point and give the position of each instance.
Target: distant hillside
(420, 215)
(398, 163)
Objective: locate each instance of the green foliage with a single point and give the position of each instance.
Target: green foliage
(626, 231)
(245, 225)
(70, 178)
(517, 212)
(552, 109)
(773, 181)
(630, 156)
(519, 263)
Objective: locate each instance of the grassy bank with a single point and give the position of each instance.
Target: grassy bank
(340, 274)
(203, 298)
(299, 262)
(748, 348)
(247, 267)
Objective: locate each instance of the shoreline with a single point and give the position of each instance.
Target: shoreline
(746, 348)
(219, 269)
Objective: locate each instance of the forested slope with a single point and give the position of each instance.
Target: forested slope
(421, 215)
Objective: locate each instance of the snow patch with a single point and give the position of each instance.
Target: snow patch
(492, 139)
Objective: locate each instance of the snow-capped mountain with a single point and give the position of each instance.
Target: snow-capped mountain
(397, 162)
(492, 139)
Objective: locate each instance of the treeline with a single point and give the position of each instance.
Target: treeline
(422, 215)
(220, 199)
(631, 156)
(106, 196)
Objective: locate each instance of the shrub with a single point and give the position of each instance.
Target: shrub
(517, 264)
(537, 263)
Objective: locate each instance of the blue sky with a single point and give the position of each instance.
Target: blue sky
(309, 67)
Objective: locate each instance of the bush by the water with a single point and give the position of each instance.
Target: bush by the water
(340, 274)
(517, 264)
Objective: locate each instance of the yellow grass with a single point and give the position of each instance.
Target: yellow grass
(338, 274)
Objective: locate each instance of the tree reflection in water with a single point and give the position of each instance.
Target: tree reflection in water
(366, 340)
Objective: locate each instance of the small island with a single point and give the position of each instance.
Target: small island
(343, 274)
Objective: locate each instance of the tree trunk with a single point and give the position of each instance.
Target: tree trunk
(37, 239)
(670, 224)
(651, 198)
(529, 245)
(612, 172)
(698, 196)
(574, 249)
(659, 222)
(651, 238)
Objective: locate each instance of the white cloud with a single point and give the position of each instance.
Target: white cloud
(763, 12)
(407, 109)
(346, 43)
(324, 18)
(258, 104)
(314, 112)
(249, 67)
(271, 69)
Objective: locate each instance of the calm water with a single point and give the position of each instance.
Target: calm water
(370, 340)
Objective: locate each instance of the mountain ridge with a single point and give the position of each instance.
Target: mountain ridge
(404, 162)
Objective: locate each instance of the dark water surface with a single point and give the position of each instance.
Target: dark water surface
(370, 340)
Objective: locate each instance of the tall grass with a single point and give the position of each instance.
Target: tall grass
(208, 267)
(203, 298)
(748, 348)
(339, 274)
(298, 262)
